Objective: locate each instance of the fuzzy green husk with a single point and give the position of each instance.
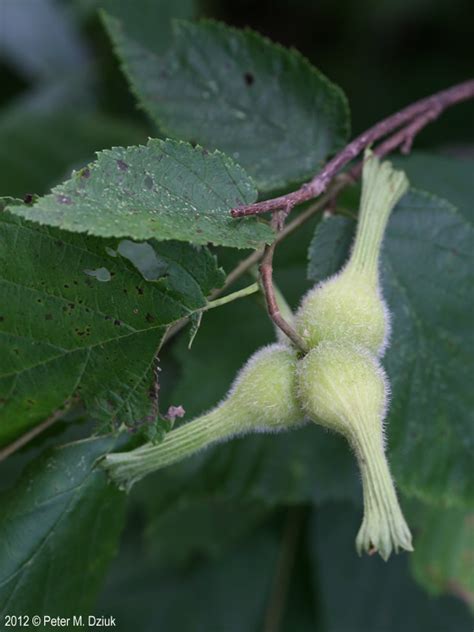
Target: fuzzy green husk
(262, 399)
(345, 389)
(349, 307)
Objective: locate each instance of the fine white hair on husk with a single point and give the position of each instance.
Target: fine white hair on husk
(250, 362)
(253, 360)
(387, 389)
(379, 291)
(388, 323)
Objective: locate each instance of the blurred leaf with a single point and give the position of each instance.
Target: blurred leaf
(224, 595)
(40, 39)
(265, 106)
(80, 9)
(166, 190)
(216, 524)
(330, 246)
(427, 279)
(448, 178)
(61, 326)
(148, 22)
(42, 42)
(367, 594)
(59, 528)
(74, 91)
(300, 612)
(38, 151)
(443, 560)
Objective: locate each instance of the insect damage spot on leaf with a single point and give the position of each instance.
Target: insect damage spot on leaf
(122, 165)
(63, 199)
(101, 274)
(148, 182)
(249, 78)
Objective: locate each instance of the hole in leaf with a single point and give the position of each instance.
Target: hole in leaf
(101, 274)
(144, 258)
(149, 182)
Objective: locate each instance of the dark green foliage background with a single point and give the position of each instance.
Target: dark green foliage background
(215, 542)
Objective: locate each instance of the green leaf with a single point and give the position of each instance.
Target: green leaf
(444, 552)
(427, 279)
(217, 524)
(367, 594)
(330, 247)
(228, 594)
(59, 528)
(264, 105)
(449, 178)
(164, 190)
(61, 326)
(149, 21)
(38, 151)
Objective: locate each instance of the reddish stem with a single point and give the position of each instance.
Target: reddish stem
(414, 118)
(266, 272)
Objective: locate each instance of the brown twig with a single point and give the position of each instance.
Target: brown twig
(405, 137)
(414, 118)
(403, 140)
(266, 272)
